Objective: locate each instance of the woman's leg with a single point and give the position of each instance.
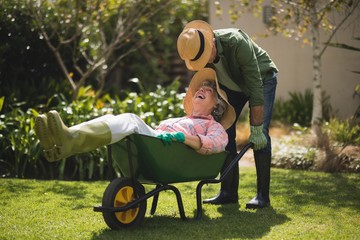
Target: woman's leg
(42, 132)
(90, 135)
(126, 124)
(80, 138)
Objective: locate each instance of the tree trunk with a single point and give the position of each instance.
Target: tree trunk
(317, 99)
(328, 160)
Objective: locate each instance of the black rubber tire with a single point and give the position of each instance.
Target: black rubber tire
(119, 192)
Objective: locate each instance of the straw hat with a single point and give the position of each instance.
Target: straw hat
(209, 74)
(194, 44)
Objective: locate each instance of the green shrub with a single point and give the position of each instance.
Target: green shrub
(298, 109)
(19, 148)
(344, 132)
(22, 156)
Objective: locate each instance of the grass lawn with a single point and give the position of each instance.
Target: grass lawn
(305, 205)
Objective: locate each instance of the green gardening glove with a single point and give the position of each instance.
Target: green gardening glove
(168, 137)
(257, 137)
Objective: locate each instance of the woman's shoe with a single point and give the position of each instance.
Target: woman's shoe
(84, 137)
(42, 132)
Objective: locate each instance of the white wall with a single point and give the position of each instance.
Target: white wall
(294, 60)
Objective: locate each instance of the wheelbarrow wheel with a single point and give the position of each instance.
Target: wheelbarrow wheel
(119, 193)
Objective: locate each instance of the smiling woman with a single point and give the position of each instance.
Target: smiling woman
(222, 110)
(220, 104)
(205, 99)
(208, 115)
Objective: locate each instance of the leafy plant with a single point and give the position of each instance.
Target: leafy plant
(343, 132)
(298, 109)
(19, 145)
(2, 99)
(22, 155)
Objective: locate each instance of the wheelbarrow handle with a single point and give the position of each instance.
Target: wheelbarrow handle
(236, 159)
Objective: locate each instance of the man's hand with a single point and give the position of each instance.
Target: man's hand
(257, 137)
(168, 137)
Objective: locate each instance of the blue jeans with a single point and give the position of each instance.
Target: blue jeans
(269, 99)
(238, 101)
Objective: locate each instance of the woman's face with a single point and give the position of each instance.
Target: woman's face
(204, 100)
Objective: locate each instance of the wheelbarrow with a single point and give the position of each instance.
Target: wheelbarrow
(144, 159)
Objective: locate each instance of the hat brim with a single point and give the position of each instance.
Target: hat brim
(208, 33)
(228, 117)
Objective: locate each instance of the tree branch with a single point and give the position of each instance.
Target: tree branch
(39, 23)
(338, 26)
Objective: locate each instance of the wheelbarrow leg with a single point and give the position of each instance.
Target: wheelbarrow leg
(155, 201)
(160, 188)
(198, 195)
(233, 163)
(198, 200)
(179, 200)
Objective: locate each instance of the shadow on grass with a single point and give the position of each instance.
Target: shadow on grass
(302, 188)
(10, 189)
(72, 191)
(234, 223)
(68, 189)
(16, 186)
(249, 223)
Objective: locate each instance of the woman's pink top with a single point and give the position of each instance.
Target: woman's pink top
(212, 134)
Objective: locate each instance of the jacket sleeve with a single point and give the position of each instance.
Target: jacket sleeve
(215, 139)
(245, 56)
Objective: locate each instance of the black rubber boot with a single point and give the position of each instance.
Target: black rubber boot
(262, 163)
(229, 186)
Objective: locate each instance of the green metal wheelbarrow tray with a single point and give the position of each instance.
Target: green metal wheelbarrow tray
(149, 161)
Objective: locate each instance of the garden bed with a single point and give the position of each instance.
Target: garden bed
(293, 149)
